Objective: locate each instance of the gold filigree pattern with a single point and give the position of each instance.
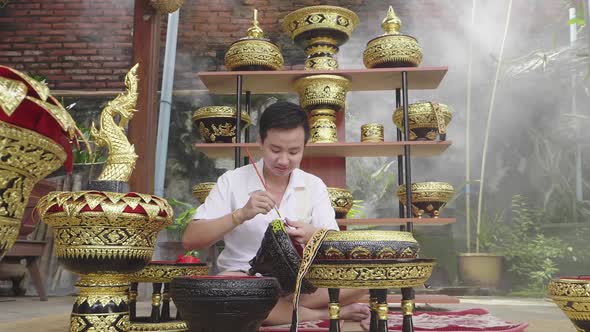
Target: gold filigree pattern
(321, 63)
(320, 17)
(9, 228)
(254, 52)
(423, 116)
(387, 253)
(333, 253)
(372, 132)
(99, 322)
(341, 199)
(309, 253)
(217, 122)
(201, 191)
(171, 326)
(372, 235)
(322, 90)
(427, 192)
(121, 157)
(572, 296)
(323, 127)
(392, 49)
(370, 275)
(25, 158)
(81, 229)
(165, 272)
(12, 93)
(360, 253)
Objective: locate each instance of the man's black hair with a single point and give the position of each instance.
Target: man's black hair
(283, 115)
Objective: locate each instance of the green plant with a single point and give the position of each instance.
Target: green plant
(531, 257)
(183, 219)
(357, 209)
(375, 188)
(81, 153)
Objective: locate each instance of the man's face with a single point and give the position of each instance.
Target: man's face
(282, 150)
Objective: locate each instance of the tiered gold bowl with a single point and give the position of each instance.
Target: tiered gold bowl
(572, 295)
(323, 96)
(217, 124)
(254, 52)
(201, 191)
(25, 158)
(320, 30)
(105, 237)
(427, 197)
(427, 120)
(341, 200)
(392, 49)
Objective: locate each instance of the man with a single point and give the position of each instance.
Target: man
(239, 209)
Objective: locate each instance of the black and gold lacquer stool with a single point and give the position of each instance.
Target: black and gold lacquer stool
(159, 274)
(373, 260)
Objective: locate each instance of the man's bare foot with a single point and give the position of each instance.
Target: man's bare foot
(355, 312)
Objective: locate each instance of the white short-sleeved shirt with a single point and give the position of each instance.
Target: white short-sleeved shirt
(305, 199)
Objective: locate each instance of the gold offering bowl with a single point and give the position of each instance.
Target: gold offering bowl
(105, 237)
(254, 52)
(322, 96)
(370, 274)
(427, 120)
(372, 132)
(26, 157)
(427, 197)
(341, 200)
(572, 295)
(320, 30)
(392, 49)
(217, 124)
(201, 191)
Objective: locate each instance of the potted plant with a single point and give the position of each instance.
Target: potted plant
(172, 246)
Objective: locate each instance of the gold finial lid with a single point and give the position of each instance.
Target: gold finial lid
(255, 31)
(391, 23)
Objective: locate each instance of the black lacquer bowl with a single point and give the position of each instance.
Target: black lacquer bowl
(280, 257)
(224, 303)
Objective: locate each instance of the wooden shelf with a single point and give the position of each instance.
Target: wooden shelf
(395, 221)
(419, 78)
(340, 149)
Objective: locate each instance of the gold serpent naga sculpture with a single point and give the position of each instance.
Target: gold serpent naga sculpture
(121, 154)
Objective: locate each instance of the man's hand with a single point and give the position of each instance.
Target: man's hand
(259, 202)
(300, 231)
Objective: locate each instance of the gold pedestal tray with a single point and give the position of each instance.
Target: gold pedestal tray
(320, 30)
(370, 274)
(105, 237)
(158, 273)
(572, 296)
(378, 276)
(322, 96)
